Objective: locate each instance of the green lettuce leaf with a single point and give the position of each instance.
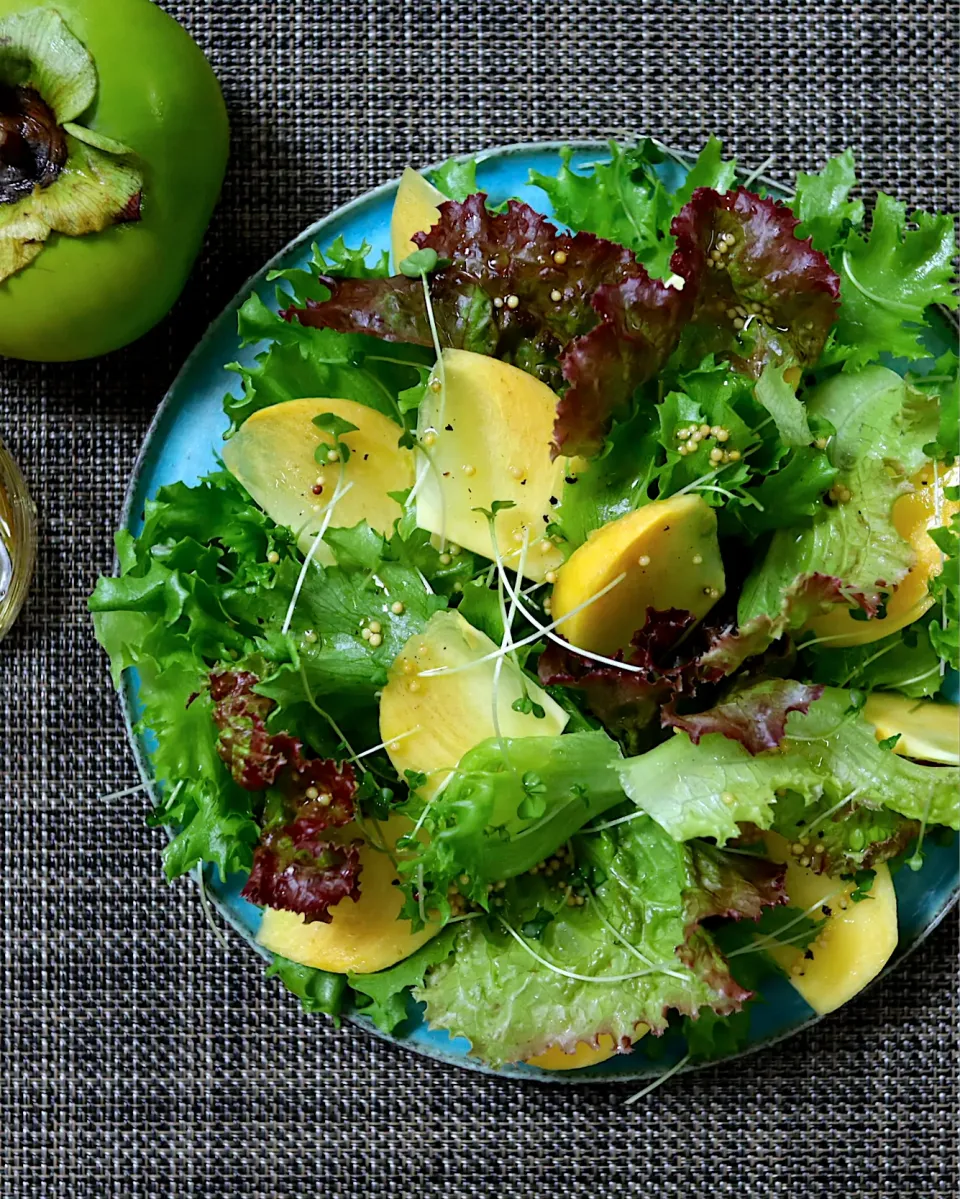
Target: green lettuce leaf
(882, 426)
(614, 483)
(456, 178)
(510, 1006)
(198, 588)
(780, 400)
(831, 752)
(508, 807)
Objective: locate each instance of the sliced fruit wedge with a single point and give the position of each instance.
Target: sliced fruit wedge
(928, 731)
(487, 428)
(429, 722)
(362, 937)
(856, 941)
(668, 555)
(414, 211)
(273, 455)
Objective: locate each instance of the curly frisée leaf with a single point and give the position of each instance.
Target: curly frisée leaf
(300, 361)
(625, 200)
(382, 997)
(708, 790)
(822, 203)
(889, 278)
(623, 958)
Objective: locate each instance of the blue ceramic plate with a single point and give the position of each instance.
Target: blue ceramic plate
(182, 444)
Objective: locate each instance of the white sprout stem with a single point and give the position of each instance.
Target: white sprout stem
(837, 806)
(425, 581)
(923, 825)
(771, 939)
(721, 490)
(351, 753)
(755, 174)
(389, 742)
(514, 596)
(863, 665)
(176, 791)
(506, 642)
(615, 932)
(920, 677)
(430, 802)
(124, 793)
(599, 828)
(822, 640)
(494, 708)
(442, 377)
(545, 630)
(337, 496)
(658, 1082)
(431, 320)
(208, 911)
(583, 978)
(428, 466)
(531, 638)
(468, 916)
(697, 483)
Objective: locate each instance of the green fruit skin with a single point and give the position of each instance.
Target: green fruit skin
(86, 296)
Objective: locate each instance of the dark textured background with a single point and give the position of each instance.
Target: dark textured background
(139, 1058)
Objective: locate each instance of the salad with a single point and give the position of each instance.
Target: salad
(561, 644)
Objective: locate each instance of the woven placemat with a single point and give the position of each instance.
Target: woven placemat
(140, 1058)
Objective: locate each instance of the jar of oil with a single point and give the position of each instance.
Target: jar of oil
(18, 540)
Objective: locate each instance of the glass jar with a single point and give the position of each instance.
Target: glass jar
(18, 540)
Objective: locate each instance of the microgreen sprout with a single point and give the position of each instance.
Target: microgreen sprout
(755, 174)
(599, 828)
(658, 1082)
(546, 631)
(777, 938)
(336, 426)
(584, 978)
(338, 495)
(541, 630)
(389, 742)
(124, 793)
(207, 908)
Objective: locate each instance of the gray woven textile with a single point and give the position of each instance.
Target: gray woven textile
(140, 1058)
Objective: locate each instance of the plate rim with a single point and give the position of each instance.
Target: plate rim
(512, 1072)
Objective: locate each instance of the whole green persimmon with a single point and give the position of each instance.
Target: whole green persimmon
(113, 144)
